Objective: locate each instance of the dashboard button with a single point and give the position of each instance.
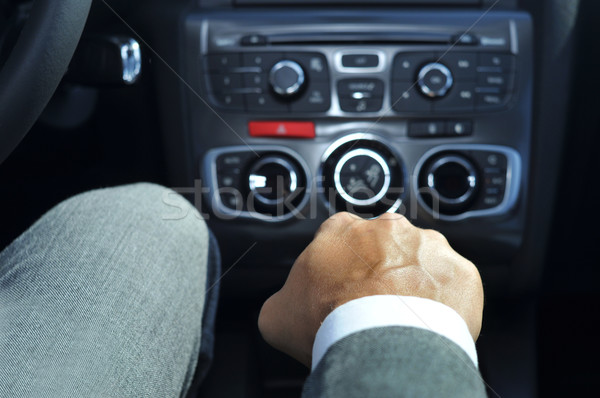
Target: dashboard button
(255, 80)
(222, 62)
(360, 60)
(264, 103)
(459, 128)
(426, 129)
(490, 201)
(230, 101)
(226, 82)
(493, 191)
(405, 98)
(505, 62)
(228, 180)
(253, 40)
(464, 39)
(314, 64)
(460, 99)
(264, 61)
(368, 87)
(490, 101)
(316, 98)
(462, 65)
(406, 65)
(494, 159)
(281, 129)
(498, 80)
(497, 180)
(361, 104)
(231, 162)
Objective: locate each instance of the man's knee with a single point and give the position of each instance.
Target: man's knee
(144, 201)
(142, 216)
(129, 228)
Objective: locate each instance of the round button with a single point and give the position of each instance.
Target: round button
(286, 78)
(272, 179)
(435, 80)
(362, 177)
(452, 180)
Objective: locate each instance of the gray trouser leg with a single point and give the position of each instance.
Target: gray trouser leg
(104, 297)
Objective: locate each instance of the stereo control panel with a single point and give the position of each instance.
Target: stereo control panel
(270, 82)
(419, 82)
(452, 81)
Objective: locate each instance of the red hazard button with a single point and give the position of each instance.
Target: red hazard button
(282, 129)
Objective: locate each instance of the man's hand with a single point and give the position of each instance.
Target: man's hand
(351, 258)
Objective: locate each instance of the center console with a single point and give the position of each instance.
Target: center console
(295, 115)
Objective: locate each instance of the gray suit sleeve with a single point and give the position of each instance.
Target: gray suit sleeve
(395, 362)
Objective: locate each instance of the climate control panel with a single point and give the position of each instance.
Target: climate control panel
(365, 174)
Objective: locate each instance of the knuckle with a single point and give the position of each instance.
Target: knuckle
(336, 219)
(435, 235)
(392, 216)
(393, 221)
(341, 218)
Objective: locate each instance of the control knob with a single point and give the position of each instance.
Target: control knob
(452, 181)
(362, 177)
(287, 78)
(272, 180)
(361, 174)
(435, 80)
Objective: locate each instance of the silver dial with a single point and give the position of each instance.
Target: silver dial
(452, 180)
(362, 177)
(435, 80)
(272, 179)
(287, 78)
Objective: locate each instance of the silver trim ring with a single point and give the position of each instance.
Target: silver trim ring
(425, 89)
(277, 160)
(472, 179)
(352, 154)
(513, 181)
(293, 89)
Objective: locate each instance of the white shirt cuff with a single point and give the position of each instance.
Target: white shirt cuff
(381, 311)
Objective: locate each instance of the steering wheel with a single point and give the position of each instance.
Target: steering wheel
(36, 65)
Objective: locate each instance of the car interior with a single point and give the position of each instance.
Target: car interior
(475, 118)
